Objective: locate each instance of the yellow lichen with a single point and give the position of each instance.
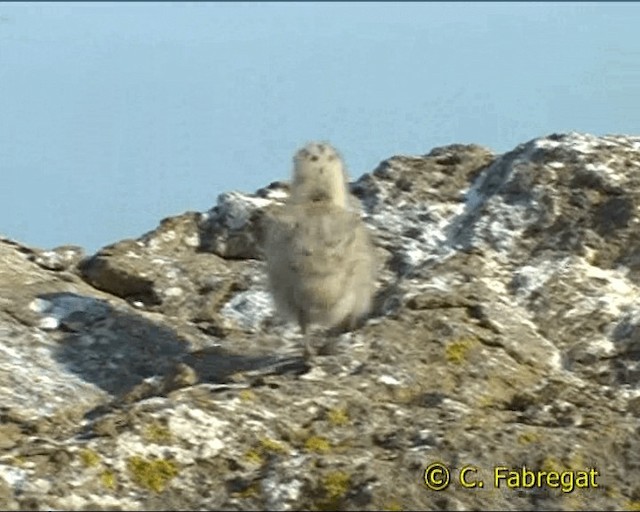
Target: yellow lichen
(486, 401)
(254, 456)
(528, 438)
(611, 491)
(317, 444)
(257, 454)
(251, 491)
(336, 484)
(338, 417)
(393, 506)
(157, 433)
(89, 458)
(246, 395)
(152, 474)
(456, 351)
(18, 460)
(407, 394)
(632, 505)
(551, 463)
(108, 479)
(271, 445)
(577, 460)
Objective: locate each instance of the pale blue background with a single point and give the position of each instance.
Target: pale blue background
(115, 115)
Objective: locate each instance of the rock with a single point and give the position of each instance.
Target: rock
(60, 258)
(233, 229)
(155, 373)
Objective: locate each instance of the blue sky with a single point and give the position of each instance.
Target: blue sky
(116, 115)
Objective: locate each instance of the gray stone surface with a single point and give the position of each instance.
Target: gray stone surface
(155, 374)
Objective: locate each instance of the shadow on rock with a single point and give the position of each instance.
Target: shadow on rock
(625, 365)
(113, 349)
(117, 350)
(217, 365)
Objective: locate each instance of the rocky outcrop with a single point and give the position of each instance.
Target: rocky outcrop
(154, 374)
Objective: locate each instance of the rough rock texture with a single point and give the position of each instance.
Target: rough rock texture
(154, 373)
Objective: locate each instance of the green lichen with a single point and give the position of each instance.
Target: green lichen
(317, 444)
(153, 474)
(89, 458)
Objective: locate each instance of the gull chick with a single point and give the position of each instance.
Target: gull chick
(320, 258)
